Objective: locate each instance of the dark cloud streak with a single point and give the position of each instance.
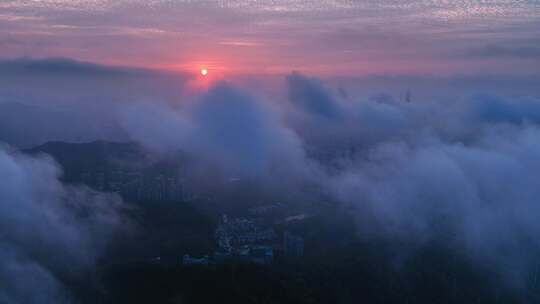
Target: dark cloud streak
(498, 51)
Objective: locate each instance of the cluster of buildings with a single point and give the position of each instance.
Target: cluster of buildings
(136, 185)
(245, 239)
(250, 240)
(187, 260)
(266, 210)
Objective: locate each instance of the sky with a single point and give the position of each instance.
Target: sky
(463, 153)
(339, 37)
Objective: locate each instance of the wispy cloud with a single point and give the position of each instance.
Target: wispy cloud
(279, 33)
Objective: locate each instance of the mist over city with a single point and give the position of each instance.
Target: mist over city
(269, 151)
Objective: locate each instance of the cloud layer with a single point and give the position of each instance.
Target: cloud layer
(464, 172)
(461, 170)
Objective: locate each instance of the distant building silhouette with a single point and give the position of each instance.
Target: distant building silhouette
(408, 96)
(293, 245)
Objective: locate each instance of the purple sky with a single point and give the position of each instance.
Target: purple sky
(339, 37)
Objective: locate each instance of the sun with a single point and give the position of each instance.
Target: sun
(204, 72)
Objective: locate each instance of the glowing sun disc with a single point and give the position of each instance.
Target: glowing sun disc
(204, 72)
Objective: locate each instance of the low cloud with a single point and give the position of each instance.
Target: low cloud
(462, 171)
(65, 100)
(312, 97)
(459, 169)
(49, 231)
(224, 127)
